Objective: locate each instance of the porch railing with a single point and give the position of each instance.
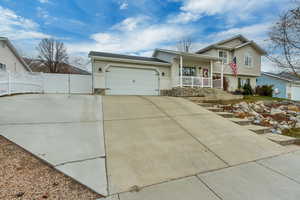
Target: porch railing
(217, 83)
(195, 81)
(198, 81)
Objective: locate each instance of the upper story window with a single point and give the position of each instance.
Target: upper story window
(2, 67)
(248, 59)
(223, 55)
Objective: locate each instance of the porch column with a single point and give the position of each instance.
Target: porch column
(222, 76)
(181, 70)
(211, 74)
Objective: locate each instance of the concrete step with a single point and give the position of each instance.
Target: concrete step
(225, 114)
(242, 122)
(258, 129)
(206, 104)
(281, 139)
(215, 109)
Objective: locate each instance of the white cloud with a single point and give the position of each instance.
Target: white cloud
(133, 38)
(192, 10)
(43, 1)
(42, 13)
(256, 32)
(17, 27)
(131, 23)
(123, 5)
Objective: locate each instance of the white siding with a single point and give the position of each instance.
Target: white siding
(8, 58)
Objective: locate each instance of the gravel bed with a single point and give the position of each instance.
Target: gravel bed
(23, 176)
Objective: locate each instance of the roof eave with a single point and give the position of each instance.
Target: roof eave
(100, 58)
(188, 54)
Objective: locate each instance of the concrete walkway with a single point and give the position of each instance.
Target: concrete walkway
(152, 140)
(66, 132)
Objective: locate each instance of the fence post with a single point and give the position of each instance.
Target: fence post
(202, 82)
(9, 83)
(43, 82)
(192, 81)
(69, 83)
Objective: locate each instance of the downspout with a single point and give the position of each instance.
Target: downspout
(222, 76)
(93, 89)
(211, 74)
(181, 70)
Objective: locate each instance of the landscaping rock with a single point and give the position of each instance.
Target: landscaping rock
(275, 111)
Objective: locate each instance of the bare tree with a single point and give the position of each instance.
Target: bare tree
(184, 45)
(53, 54)
(285, 41)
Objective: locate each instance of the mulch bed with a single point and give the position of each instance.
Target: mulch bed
(23, 176)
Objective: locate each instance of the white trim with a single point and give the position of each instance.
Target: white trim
(248, 55)
(99, 58)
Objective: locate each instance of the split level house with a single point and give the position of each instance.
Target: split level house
(116, 74)
(10, 59)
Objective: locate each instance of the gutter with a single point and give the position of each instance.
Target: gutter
(129, 61)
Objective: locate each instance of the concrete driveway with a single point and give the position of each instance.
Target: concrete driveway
(66, 132)
(169, 147)
(151, 140)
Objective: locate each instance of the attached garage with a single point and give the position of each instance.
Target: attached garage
(115, 74)
(131, 81)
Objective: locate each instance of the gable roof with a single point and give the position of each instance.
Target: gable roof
(219, 45)
(181, 53)
(286, 76)
(122, 57)
(15, 52)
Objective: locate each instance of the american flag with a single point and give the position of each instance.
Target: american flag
(234, 66)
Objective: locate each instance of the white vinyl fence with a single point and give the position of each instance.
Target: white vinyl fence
(67, 83)
(16, 83)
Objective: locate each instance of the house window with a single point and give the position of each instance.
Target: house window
(223, 55)
(189, 71)
(2, 67)
(248, 59)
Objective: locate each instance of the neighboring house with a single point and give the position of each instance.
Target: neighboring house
(133, 75)
(10, 60)
(285, 85)
(37, 65)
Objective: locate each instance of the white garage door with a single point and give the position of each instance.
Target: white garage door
(132, 81)
(296, 93)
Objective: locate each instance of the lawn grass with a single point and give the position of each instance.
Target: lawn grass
(249, 99)
(261, 98)
(294, 132)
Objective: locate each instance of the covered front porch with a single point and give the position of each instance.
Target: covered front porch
(198, 71)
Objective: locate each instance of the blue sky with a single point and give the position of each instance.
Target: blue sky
(134, 26)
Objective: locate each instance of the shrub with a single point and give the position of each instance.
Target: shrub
(265, 90)
(238, 92)
(247, 89)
